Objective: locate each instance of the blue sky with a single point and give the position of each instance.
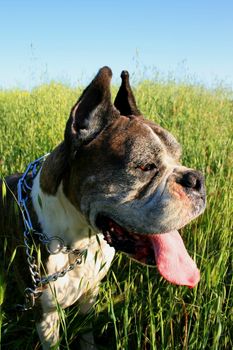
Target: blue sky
(70, 40)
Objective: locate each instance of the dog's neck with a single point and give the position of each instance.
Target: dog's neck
(58, 217)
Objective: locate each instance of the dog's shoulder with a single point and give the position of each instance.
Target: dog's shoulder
(10, 183)
(11, 224)
(8, 202)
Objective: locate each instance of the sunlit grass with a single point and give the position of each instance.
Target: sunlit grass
(136, 308)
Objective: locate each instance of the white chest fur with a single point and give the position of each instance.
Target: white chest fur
(58, 217)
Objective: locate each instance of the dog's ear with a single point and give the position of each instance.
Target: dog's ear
(92, 112)
(125, 100)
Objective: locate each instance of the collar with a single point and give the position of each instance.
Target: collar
(54, 244)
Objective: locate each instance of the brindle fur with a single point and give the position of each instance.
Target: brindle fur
(98, 169)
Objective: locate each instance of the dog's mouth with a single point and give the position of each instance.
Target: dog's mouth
(165, 250)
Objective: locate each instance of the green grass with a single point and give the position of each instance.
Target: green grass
(136, 308)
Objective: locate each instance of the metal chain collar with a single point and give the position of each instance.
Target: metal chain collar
(54, 245)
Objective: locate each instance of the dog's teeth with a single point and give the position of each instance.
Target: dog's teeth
(108, 237)
(136, 237)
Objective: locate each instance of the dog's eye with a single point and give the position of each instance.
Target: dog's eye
(147, 167)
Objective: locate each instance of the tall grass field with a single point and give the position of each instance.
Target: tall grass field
(136, 308)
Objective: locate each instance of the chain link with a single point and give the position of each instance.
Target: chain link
(34, 292)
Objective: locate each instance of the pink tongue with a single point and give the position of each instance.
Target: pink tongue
(173, 260)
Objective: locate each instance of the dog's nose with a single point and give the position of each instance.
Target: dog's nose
(192, 179)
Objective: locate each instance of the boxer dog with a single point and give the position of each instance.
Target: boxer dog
(115, 183)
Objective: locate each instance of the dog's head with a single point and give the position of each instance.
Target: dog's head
(126, 179)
